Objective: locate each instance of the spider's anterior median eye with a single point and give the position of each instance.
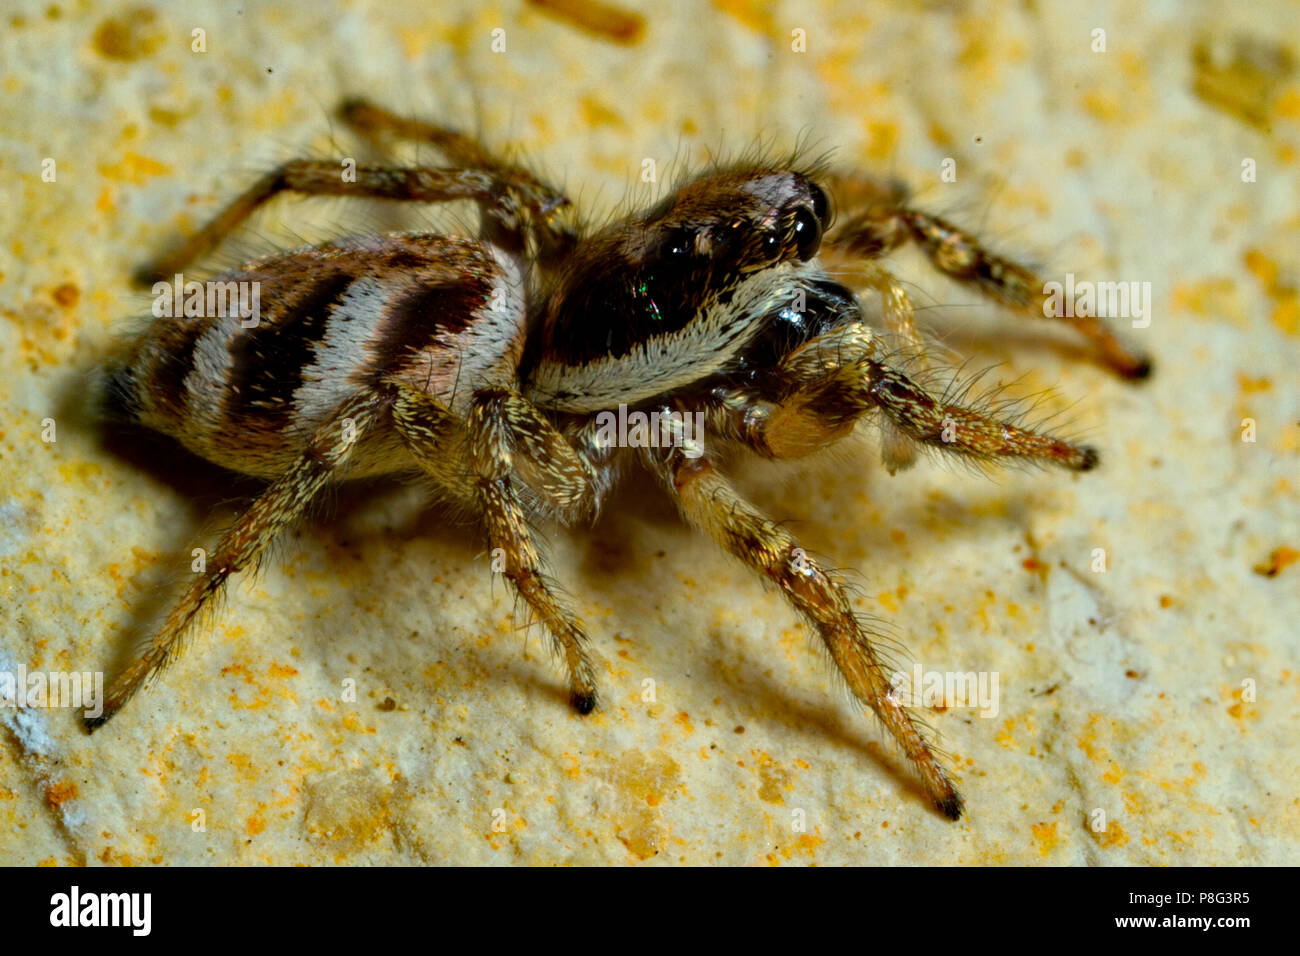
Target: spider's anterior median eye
(807, 234)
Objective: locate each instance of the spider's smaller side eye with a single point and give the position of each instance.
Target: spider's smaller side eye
(821, 204)
(807, 234)
(679, 245)
(771, 244)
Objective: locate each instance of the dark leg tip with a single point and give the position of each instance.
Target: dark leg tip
(94, 723)
(951, 807)
(1140, 371)
(583, 703)
(1090, 459)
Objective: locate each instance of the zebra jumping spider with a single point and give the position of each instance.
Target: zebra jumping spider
(484, 364)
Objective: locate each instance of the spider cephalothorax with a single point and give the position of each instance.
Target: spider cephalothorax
(490, 365)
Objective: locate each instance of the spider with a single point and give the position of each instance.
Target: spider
(486, 364)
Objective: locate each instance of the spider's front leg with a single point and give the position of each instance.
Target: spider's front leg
(515, 203)
(879, 219)
(510, 444)
(526, 203)
(325, 178)
(710, 503)
(830, 382)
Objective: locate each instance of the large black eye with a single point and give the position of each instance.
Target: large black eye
(821, 204)
(771, 244)
(678, 246)
(807, 234)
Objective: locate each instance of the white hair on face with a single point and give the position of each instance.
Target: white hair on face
(704, 346)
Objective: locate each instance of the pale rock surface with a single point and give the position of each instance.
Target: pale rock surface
(1120, 693)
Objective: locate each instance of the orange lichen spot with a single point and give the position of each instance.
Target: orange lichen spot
(1277, 561)
(641, 783)
(238, 670)
(1261, 267)
(115, 857)
(597, 113)
(347, 809)
(1286, 314)
(131, 35)
(241, 762)
(1166, 600)
(1034, 566)
(1284, 295)
(59, 792)
(1046, 837)
(755, 15)
(684, 719)
(1102, 105)
(805, 844)
(882, 140)
(66, 294)
(1006, 736)
(1112, 836)
(939, 136)
(134, 169)
(772, 778)
(1213, 298)
(165, 117)
(353, 723)
(281, 670)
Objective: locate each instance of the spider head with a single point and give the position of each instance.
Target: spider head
(673, 295)
(738, 222)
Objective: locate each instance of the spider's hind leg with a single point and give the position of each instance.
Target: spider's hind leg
(243, 545)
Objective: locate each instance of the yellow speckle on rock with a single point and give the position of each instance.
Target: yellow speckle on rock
(1046, 837)
(347, 809)
(597, 113)
(1102, 105)
(1112, 836)
(134, 168)
(754, 14)
(132, 35)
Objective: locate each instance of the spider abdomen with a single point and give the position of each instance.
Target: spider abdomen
(246, 384)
